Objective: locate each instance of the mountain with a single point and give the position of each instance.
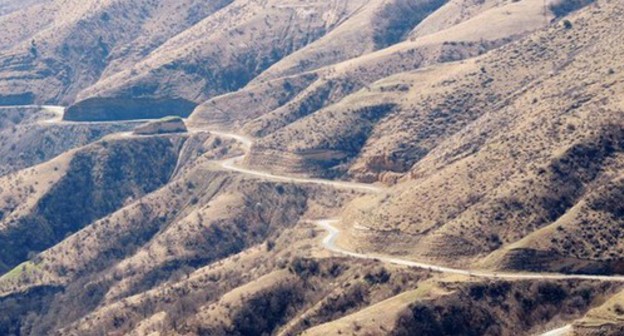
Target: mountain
(261, 167)
(52, 50)
(529, 177)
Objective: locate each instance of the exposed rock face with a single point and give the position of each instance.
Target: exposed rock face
(162, 126)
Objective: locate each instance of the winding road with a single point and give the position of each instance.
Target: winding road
(328, 224)
(329, 242)
(57, 112)
(332, 235)
(232, 164)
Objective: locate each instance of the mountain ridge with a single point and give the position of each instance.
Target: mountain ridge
(469, 150)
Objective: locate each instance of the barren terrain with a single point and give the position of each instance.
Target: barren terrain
(369, 167)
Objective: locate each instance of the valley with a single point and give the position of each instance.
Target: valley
(264, 167)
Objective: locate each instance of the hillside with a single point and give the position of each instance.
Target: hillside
(206, 51)
(31, 135)
(54, 49)
(264, 167)
(280, 110)
(536, 174)
(89, 184)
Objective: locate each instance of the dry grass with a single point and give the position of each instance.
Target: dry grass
(493, 139)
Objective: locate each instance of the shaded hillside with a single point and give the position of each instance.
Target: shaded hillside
(374, 27)
(99, 179)
(446, 306)
(31, 135)
(485, 309)
(216, 216)
(109, 109)
(28, 145)
(227, 50)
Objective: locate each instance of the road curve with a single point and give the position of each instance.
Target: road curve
(559, 332)
(57, 111)
(229, 164)
(247, 142)
(329, 242)
(232, 165)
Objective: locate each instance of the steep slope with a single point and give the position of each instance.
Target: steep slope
(494, 134)
(93, 182)
(234, 47)
(227, 50)
(53, 50)
(216, 215)
(375, 26)
(546, 156)
(204, 51)
(284, 110)
(455, 307)
(32, 135)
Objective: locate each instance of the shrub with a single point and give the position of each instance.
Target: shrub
(564, 7)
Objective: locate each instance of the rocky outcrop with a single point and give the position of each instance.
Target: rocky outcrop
(162, 126)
